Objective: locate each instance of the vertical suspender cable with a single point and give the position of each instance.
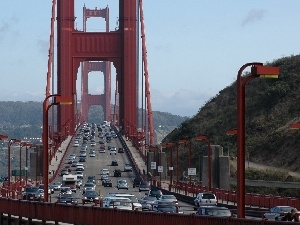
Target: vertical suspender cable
(147, 88)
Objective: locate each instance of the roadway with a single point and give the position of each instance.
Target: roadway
(94, 165)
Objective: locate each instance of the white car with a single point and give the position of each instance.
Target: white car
(117, 202)
(136, 204)
(127, 168)
(113, 152)
(76, 144)
(122, 184)
(206, 198)
(104, 172)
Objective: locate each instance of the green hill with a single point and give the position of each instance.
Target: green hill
(271, 106)
(24, 119)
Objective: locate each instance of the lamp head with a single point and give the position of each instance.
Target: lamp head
(265, 71)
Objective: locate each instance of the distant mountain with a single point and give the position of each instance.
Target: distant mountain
(24, 119)
(271, 106)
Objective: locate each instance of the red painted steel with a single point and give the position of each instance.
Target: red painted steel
(147, 86)
(118, 47)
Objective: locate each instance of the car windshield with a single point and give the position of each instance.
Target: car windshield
(208, 196)
(155, 192)
(32, 189)
(168, 197)
(89, 185)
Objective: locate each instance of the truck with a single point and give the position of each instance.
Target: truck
(70, 180)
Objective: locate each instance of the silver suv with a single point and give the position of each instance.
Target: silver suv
(206, 198)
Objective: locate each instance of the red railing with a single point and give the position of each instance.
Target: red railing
(75, 214)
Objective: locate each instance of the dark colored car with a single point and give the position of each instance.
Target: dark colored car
(155, 193)
(168, 207)
(121, 150)
(144, 186)
(31, 193)
(67, 198)
(107, 183)
(90, 196)
(82, 159)
(136, 182)
(114, 163)
(91, 179)
(117, 173)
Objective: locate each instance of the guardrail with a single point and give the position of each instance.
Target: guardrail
(84, 215)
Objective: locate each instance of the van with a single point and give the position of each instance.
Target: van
(205, 198)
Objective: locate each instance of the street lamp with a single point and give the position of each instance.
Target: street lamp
(206, 139)
(257, 70)
(46, 106)
(27, 145)
(190, 155)
(10, 142)
(171, 163)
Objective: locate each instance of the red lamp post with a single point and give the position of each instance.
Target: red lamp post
(171, 163)
(153, 148)
(206, 139)
(257, 70)
(295, 126)
(190, 154)
(10, 142)
(27, 145)
(46, 106)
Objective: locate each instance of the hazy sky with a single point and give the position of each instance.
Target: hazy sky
(195, 47)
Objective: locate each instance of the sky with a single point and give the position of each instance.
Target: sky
(194, 47)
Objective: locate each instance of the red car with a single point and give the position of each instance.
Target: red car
(121, 150)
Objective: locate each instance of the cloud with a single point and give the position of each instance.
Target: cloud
(253, 16)
(182, 102)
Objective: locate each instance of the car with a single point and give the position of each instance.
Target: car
(65, 190)
(136, 204)
(122, 184)
(117, 202)
(104, 172)
(103, 176)
(101, 150)
(64, 172)
(127, 167)
(205, 198)
(121, 150)
(79, 168)
(76, 144)
(82, 154)
(67, 199)
(114, 163)
(91, 179)
(113, 152)
(147, 202)
(72, 157)
(277, 212)
(90, 196)
(155, 193)
(167, 207)
(74, 163)
(56, 185)
(214, 211)
(136, 182)
(117, 173)
(82, 159)
(144, 186)
(107, 183)
(78, 183)
(50, 188)
(68, 168)
(31, 193)
(79, 174)
(92, 154)
(89, 187)
(168, 198)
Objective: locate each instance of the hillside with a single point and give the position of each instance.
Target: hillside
(24, 119)
(271, 106)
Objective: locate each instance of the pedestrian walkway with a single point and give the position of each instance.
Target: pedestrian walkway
(59, 156)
